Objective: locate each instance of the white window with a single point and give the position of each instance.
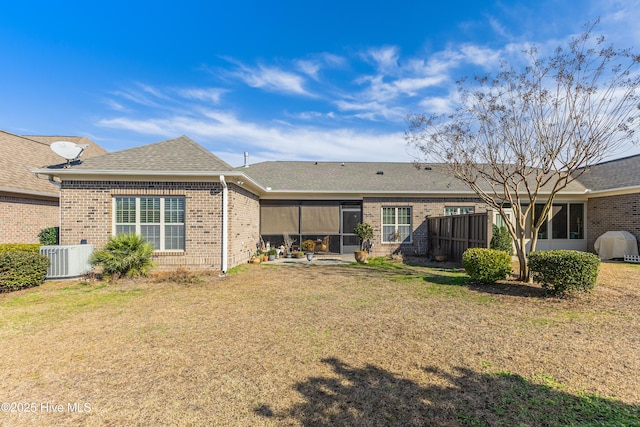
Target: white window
(459, 210)
(396, 225)
(160, 220)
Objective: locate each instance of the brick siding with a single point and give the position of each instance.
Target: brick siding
(612, 213)
(422, 208)
(244, 224)
(21, 219)
(86, 212)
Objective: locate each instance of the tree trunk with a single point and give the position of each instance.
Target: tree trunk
(522, 260)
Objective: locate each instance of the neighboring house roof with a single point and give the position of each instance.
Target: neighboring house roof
(365, 177)
(614, 174)
(171, 156)
(20, 154)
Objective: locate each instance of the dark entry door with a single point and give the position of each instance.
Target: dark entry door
(350, 216)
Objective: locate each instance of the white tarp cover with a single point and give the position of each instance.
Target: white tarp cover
(616, 244)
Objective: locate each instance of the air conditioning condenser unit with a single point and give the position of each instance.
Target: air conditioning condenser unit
(67, 261)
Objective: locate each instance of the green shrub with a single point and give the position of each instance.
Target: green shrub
(308, 246)
(124, 255)
(501, 240)
(33, 248)
(486, 265)
(563, 272)
(48, 236)
(364, 231)
(20, 270)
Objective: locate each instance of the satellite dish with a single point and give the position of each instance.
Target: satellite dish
(68, 150)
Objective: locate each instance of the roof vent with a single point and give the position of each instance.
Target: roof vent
(342, 163)
(427, 168)
(380, 173)
(246, 159)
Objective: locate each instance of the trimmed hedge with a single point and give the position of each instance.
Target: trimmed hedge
(486, 266)
(49, 236)
(33, 248)
(564, 272)
(501, 240)
(20, 270)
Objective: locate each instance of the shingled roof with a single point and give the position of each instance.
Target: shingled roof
(352, 177)
(366, 177)
(173, 155)
(614, 174)
(184, 156)
(20, 154)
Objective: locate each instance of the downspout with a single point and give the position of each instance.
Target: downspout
(225, 224)
(59, 185)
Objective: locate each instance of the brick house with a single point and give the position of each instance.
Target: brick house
(29, 203)
(198, 211)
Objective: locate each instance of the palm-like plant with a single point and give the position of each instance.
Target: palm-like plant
(125, 255)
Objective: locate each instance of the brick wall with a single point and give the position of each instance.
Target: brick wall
(612, 213)
(86, 211)
(21, 219)
(421, 209)
(244, 224)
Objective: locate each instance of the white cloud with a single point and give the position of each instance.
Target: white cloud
(439, 104)
(499, 29)
(310, 68)
(372, 110)
(484, 57)
(152, 91)
(136, 98)
(114, 105)
(218, 131)
(272, 79)
(311, 115)
(385, 58)
(211, 95)
(411, 86)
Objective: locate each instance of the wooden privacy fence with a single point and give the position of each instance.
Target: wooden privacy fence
(453, 234)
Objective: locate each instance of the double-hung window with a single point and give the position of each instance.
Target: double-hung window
(396, 225)
(160, 220)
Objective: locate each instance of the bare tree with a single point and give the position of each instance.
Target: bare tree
(522, 135)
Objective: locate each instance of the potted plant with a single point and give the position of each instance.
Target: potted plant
(256, 258)
(308, 246)
(272, 254)
(364, 232)
(288, 243)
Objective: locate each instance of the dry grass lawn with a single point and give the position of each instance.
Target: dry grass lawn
(391, 344)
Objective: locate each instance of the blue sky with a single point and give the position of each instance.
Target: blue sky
(284, 80)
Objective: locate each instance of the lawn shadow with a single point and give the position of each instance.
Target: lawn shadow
(451, 274)
(371, 396)
(510, 288)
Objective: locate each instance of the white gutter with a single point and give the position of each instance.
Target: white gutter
(29, 192)
(225, 224)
